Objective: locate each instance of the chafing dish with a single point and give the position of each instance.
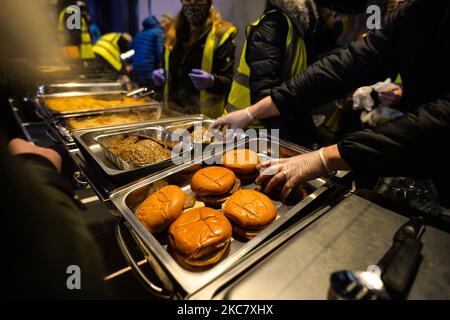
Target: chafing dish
(100, 92)
(155, 133)
(189, 125)
(67, 124)
(76, 73)
(175, 281)
(87, 141)
(104, 96)
(204, 137)
(79, 88)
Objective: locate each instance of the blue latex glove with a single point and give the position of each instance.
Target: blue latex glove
(202, 80)
(159, 77)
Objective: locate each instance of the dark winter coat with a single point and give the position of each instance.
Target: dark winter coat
(415, 42)
(266, 57)
(183, 60)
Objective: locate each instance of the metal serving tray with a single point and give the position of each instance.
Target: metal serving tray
(86, 140)
(189, 124)
(156, 133)
(76, 73)
(220, 136)
(40, 103)
(150, 113)
(79, 88)
(156, 249)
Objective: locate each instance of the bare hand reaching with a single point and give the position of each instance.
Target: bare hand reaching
(20, 146)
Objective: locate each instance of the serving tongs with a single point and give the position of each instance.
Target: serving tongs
(140, 93)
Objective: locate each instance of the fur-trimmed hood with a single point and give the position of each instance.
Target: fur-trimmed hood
(303, 13)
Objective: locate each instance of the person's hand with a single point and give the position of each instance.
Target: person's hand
(240, 119)
(20, 146)
(291, 172)
(391, 96)
(202, 80)
(159, 77)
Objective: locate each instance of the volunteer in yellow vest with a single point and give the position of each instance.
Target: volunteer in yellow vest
(109, 49)
(289, 36)
(76, 43)
(198, 60)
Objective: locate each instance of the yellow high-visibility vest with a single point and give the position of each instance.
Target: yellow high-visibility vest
(211, 105)
(108, 48)
(86, 50)
(295, 63)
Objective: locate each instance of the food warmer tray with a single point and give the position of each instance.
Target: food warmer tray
(79, 88)
(189, 127)
(87, 142)
(156, 133)
(76, 73)
(48, 113)
(174, 280)
(65, 130)
(106, 90)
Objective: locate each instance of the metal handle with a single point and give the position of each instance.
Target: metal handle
(53, 137)
(146, 282)
(139, 91)
(78, 178)
(39, 109)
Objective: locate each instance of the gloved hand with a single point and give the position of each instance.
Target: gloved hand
(202, 80)
(159, 77)
(291, 172)
(240, 119)
(391, 96)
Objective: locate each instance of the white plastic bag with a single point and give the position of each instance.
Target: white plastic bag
(362, 99)
(372, 116)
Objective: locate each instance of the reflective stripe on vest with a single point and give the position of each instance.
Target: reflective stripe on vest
(211, 105)
(109, 49)
(166, 68)
(295, 63)
(86, 48)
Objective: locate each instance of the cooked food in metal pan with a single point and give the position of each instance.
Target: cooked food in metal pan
(201, 132)
(67, 104)
(109, 120)
(137, 150)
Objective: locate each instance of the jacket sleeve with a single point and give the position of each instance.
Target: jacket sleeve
(266, 55)
(409, 146)
(48, 233)
(364, 62)
(223, 68)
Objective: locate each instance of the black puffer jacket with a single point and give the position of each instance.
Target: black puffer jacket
(415, 42)
(266, 57)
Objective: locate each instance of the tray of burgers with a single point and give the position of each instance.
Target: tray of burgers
(195, 221)
(129, 152)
